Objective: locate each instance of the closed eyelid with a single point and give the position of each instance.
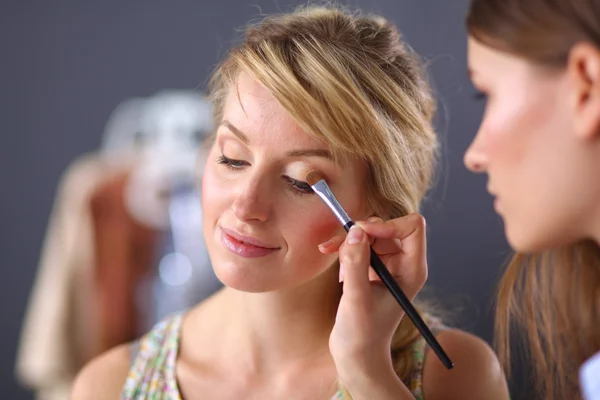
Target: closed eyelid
(301, 181)
(233, 149)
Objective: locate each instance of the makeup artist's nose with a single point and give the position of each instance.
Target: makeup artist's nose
(252, 201)
(475, 157)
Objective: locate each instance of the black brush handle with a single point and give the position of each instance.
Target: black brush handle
(389, 281)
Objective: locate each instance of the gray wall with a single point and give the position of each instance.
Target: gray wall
(66, 65)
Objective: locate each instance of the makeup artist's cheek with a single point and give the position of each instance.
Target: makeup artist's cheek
(500, 127)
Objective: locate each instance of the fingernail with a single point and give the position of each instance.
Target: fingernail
(355, 235)
(326, 244)
(365, 224)
(372, 219)
(341, 277)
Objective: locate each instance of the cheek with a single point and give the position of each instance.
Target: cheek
(514, 130)
(305, 228)
(214, 193)
(523, 139)
(317, 224)
(321, 226)
(500, 126)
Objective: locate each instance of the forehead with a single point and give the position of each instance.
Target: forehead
(485, 60)
(252, 109)
(507, 73)
(481, 57)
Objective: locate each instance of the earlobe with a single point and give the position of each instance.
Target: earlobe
(584, 71)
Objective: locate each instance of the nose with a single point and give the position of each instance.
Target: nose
(475, 157)
(253, 202)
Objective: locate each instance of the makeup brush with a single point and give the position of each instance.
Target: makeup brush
(318, 184)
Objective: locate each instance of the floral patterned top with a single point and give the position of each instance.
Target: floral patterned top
(152, 373)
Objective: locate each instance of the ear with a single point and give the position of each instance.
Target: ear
(583, 68)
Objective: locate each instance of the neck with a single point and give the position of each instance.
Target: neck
(286, 328)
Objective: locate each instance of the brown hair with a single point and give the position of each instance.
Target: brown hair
(554, 296)
(351, 81)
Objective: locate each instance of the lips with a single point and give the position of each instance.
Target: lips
(245, 246)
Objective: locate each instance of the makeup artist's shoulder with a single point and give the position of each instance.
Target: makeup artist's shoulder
(103, 378)
(477, 374)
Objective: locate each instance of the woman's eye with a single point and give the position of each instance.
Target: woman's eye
(480, 96)
(300, 187)
(231, 163)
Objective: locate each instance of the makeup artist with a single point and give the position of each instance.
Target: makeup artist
(538, 64)
(320, 90)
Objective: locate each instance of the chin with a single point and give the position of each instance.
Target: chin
(521, 246)
(529, 241)
(262, 279)
(246, 278)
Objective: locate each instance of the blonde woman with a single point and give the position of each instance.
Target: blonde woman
(538, 63)
(317, 89)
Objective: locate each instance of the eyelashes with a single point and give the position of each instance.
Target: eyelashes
(480, 96)
(231, 163)
(298, 187)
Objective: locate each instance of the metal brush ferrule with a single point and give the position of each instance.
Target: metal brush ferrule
(322, 189)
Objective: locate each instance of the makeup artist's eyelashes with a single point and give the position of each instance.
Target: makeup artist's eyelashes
(480, 96)
(298, 187)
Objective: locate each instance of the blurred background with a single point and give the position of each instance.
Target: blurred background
(92, 90)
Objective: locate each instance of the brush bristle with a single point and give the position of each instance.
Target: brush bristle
(313, 177)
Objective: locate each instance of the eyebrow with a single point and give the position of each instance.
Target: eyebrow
(292, 153)
(310, 153)
(236, 131)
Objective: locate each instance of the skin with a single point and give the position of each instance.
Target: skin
(539, 145)
(284, 326)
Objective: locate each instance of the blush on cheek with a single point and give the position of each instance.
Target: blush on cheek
(511, 124)
(322, 226)
(501, 129)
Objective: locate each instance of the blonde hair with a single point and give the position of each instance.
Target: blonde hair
(352, 82)
(553, 296)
